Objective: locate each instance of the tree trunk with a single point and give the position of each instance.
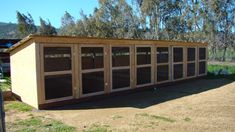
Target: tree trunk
(224, 53)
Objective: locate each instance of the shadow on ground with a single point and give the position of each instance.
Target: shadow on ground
(143, 99)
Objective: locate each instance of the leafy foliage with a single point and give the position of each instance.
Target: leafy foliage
(25, 24)
(209, 21)
(46, 28)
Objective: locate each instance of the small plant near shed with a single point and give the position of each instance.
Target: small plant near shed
(96, 127)
(6, 84)
(156, 117)
(19, 106)
(187, 119)
(39, 124)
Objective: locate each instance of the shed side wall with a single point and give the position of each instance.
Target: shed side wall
(24, 74)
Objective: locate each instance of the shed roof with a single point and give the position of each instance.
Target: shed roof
(93, 40)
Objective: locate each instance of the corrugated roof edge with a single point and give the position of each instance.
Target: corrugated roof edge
(31, 36)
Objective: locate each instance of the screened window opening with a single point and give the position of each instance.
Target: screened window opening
(202, 53)
(191, 69)
(58, 86)
(162, 73)
(92, 62)
(92, 82)
(178, 71)
(143, 55)
(120, 56)
(191, 54)
(143, 75)
(162, 64)
(57, 59)
(92, 57)
(162, 55)
(121, 78)
(202, 61)
(178, 54)
(202, 67)
(178, 67)
(120, 67)
(191, 61)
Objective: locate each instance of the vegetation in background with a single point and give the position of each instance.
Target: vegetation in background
(39, 124)
(46, 28)
(8, 31)
(26, 24)
(6, 86)
(209, 21)
(18, 106)
(213, 71)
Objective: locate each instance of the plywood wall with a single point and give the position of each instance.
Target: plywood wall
(24, 74)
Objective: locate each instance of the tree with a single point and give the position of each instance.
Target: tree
(26, 24)
(46, 28)
(68, 26)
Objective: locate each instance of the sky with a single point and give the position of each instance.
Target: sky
(46, 9)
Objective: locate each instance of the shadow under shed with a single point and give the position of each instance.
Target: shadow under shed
(153, 96)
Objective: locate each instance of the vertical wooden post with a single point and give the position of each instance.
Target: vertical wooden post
(76, 60)
(132, 66)
(184, 62)
(153, 64)
(107, 70)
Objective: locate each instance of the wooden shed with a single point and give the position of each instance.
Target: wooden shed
(47, 70)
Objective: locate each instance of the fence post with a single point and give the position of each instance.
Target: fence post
(2, 113)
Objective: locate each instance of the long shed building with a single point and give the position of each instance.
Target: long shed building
(48, 70)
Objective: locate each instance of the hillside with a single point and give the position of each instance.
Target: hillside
(8, 30)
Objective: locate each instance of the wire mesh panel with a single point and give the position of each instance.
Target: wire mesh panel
(58, 86)
(121, 78)
(120, 67)
(178, 71)
(143, 64)
(191, 69)
(143, 75)
(56, 83)
(92, 61)
(92, 82)
(57, 58)
(143, 55)
(162, 64)
(162, 55)
(191, 54)
(202, 61)
(92, 57)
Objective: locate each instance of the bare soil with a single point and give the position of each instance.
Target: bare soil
(196, 105)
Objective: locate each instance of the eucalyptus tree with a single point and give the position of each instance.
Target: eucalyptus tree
(68, 25)
(26, 24)
(46, 28)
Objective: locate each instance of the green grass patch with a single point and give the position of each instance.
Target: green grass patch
(215, 68)
(162, 118)
(16, 105)
(116, 117)
(6, 86)
(187, 119)
(156, 117)
(39, 124)
(96, 127)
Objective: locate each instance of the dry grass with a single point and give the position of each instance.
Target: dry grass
(199, 105)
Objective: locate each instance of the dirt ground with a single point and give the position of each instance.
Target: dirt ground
(197, 105)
